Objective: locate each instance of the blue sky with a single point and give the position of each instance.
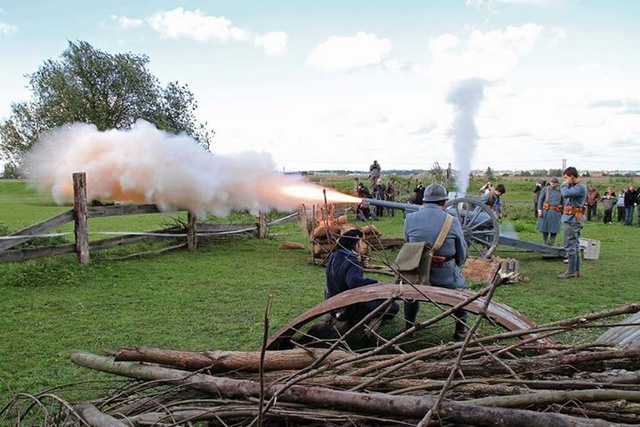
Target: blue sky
(335, 84)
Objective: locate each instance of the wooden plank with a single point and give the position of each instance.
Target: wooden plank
(39, 228)
(31, 253)
(117, 210)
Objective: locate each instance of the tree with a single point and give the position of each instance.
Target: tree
(109, 91)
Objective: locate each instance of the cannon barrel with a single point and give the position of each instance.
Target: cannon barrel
(392, 205)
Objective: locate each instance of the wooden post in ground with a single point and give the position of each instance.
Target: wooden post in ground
(192, 231)
(81, 229)
(262, 229)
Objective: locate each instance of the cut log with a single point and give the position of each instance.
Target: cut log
(224, 361)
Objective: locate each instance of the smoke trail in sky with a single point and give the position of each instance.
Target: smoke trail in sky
(146, 165)
(465, 96)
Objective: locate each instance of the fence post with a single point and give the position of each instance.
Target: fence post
(192, 231)
(262, 229)
(81, 229)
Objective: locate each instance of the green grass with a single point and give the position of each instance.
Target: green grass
(215, 297)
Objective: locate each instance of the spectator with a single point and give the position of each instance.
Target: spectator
(592, 202)
(364, 212)
(378, 194)
(608, 202)
(550, 204)
(390, 195)
(630, 200)
(419, 194)
(362, 191)
(620, 205)
(491, 198)
(574, 193)
(374, 173)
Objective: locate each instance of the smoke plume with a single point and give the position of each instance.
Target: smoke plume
(146, 165)
(465, 96)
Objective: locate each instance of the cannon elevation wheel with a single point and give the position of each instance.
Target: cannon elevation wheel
(479, 224)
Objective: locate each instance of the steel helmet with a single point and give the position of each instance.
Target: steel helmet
(434, 193)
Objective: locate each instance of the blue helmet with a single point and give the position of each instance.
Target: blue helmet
(434, 193)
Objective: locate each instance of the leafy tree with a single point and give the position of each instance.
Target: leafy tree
(9, 171)
(109, 91)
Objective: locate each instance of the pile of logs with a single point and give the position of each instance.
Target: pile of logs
(484, 381)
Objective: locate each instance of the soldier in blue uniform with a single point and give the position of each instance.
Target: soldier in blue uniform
(424, 225)
(344, 272)
(549, 209)
(491, 198)
(574, 193)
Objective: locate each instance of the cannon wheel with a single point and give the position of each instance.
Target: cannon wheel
(497, 313)
(479, 224)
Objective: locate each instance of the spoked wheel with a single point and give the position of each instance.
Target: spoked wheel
(479, 224)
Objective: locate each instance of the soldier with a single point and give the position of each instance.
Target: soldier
(574, 193)
(491, 198)
(344, 272)
(424, 225)
(549, 212)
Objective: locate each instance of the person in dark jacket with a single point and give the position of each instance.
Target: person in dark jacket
(630, 200)
(344, 272)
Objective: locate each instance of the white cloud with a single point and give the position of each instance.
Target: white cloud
(7, 29)
(344, 53)
(488, 55)
(443, 43)
(125, 22)
(273, 43)
(180, 23)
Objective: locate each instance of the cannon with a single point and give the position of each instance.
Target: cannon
(479, 224)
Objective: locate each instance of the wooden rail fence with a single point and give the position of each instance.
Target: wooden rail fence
(80, 214)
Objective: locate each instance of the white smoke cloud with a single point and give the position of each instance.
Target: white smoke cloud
(146, 165)
(465, 96)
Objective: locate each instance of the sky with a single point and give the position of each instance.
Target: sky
(505, 84)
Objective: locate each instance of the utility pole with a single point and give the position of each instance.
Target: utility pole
(564, 164)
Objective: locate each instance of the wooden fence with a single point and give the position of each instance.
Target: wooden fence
(80, 214)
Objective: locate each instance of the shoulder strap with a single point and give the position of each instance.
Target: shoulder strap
(443, 233)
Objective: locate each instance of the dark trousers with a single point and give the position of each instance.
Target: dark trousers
(592, 211)
(607, 216)
(620, 213)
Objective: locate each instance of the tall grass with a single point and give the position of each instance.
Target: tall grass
(214, 297)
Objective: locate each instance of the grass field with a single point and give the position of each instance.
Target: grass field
(215, 297)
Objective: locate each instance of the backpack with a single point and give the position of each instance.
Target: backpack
(414, 260)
